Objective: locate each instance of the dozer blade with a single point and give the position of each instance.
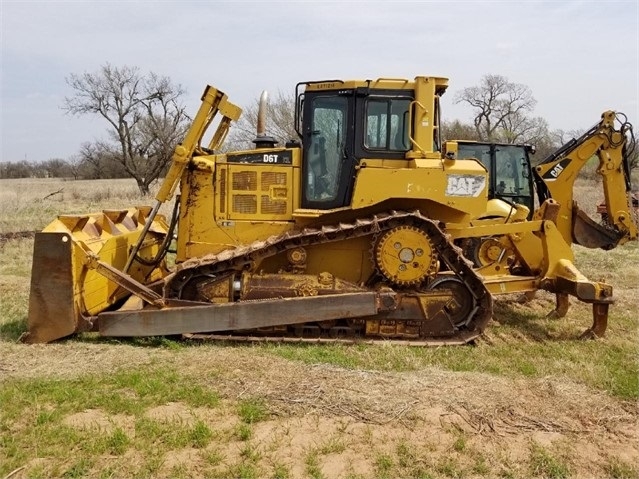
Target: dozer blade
(66, 294)
(51, 306)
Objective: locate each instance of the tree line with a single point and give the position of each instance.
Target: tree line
(145, 118)
(86, 165)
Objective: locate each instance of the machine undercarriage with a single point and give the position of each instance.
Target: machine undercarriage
(406, 297)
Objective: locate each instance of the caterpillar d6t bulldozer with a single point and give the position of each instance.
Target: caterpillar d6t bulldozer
(350, 232)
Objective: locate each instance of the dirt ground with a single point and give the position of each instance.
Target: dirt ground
(369, 414)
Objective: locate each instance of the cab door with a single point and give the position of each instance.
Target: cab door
(328, 163)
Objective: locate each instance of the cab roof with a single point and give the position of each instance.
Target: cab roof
(441, 84)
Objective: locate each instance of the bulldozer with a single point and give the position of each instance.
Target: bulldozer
(348, 233)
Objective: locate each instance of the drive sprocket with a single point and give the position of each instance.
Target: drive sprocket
(405, 256)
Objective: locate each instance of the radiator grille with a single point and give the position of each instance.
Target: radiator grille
(270, 207)
(245, 204)
(270, 178)
(245, 181)
(252, 192)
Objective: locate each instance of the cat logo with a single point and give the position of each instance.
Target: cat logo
(556, 170)
(465, 185)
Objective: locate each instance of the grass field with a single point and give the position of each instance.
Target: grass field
(527, 400)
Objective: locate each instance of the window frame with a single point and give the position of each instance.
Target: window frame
(362, 148)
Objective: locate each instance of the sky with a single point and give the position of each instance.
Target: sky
(579, 58)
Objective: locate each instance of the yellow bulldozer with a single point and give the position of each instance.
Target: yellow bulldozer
(351, 232)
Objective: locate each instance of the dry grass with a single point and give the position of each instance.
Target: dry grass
(527, 401)
(30, 204)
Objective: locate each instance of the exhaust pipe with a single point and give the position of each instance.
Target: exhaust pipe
(262, 140)
(261, 115)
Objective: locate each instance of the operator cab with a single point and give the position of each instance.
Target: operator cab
(508, 169)
(342, 123)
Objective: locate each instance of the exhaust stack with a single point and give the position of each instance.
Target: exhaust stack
(262, 140)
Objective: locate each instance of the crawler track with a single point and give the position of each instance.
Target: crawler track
(233, 262)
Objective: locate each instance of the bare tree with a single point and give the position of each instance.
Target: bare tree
(519, 128)
(145, 115)
(280, 123)
(91, 154)
(500, 108)
(55, 167)
(457, 130)
(76, 165)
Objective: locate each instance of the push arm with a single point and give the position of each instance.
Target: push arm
(213, 102)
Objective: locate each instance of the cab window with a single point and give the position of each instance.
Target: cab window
(478, 151)
(386, 125)
(511, 172)
(326, 147)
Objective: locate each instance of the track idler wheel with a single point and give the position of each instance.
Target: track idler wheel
(462, 304)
